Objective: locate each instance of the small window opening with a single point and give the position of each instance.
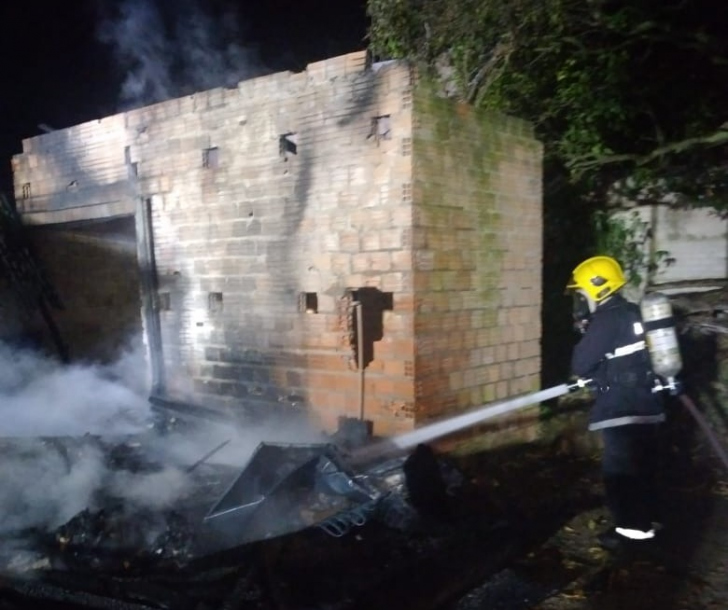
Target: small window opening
(26, 190)
(308, 302)
(214, 302)
(211, 158)
(381, 128)
(288, 144)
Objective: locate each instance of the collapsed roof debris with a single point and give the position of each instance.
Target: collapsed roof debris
(284, 488)
(287, 488)
(114, 552)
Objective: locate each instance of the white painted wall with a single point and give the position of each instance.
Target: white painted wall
(696, 238)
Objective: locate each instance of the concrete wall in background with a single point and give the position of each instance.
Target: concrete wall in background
(694, 240)
(697, 240)
(278, 220)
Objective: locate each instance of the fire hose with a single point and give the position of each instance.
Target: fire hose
(705, 427)
(664, 350)
(482, 414)
(460, 422)
(661, 343)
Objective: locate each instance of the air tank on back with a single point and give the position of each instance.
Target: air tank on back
(661, 336)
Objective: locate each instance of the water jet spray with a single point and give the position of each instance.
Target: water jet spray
(662, 346)
(456, 423)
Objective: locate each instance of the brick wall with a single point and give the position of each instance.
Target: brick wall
(477, 247)
(339, 185)
(303, 196)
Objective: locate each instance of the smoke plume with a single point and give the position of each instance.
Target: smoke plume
(42, 398)
(43, 482)
(168, 49)
(59, 423)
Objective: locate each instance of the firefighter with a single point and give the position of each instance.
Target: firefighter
(627, 412)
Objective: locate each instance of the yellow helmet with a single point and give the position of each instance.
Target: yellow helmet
(599, 277)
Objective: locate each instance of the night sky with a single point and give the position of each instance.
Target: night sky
(65, 63)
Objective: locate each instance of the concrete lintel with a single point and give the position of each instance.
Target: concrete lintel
(110, 209)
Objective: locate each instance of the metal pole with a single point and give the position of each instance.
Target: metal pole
(148, 281)
(359, 311)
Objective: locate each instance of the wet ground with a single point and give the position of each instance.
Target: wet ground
(685, 568)
(518, 532)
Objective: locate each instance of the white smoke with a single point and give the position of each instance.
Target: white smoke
(58, 422)
(43, 483)
(42, 488)
(41, 397)
(171, 49)
(232, 445)
(157, 490)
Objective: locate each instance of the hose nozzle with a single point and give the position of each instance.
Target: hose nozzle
(580, 384)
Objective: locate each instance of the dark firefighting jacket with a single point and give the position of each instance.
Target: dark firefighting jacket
(613, 354)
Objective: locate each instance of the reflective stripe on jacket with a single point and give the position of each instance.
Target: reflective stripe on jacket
(613, 353)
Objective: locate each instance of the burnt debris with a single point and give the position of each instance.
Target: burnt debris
(208, 548)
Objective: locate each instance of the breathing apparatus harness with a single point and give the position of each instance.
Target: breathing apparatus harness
(655, 346)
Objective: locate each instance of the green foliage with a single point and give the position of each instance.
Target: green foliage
(615, 89)
(628, 239)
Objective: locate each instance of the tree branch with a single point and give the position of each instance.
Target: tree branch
(587, 162)
(487, 72)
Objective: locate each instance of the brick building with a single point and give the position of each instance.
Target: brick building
(271, 238)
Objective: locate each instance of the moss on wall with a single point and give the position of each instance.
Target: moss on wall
(470, 167)
(455, 164)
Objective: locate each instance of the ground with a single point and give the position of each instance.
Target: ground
(519, 532)
(685, 569)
